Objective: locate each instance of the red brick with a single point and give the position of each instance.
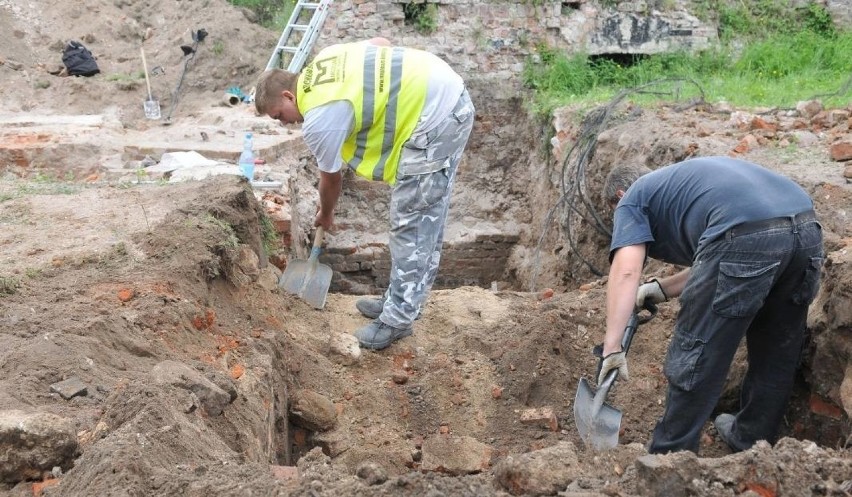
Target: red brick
(842, 150)
(760, 123)
(824, 408)
(300, 437)
(39, 486)
(749, 142)
(237, 371)
(285, 473)
(541, 416)
(125, 294)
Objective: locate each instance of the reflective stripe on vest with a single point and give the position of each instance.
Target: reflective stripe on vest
(387, 88)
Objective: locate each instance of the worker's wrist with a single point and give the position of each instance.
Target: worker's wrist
(660, 286)
(610, 348)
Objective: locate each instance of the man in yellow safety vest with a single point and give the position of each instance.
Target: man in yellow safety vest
(393, 114)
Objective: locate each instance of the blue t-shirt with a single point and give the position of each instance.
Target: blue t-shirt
(678, 209)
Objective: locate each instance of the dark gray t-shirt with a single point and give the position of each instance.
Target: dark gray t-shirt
(678, 209)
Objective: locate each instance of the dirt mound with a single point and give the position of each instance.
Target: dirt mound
(187, 290)
(232, 54)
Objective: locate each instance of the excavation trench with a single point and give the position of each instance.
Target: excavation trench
(203, 373)
(202, 378)
(524, 218)
(504, 185)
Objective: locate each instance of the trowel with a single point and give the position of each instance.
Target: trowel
(598, 422)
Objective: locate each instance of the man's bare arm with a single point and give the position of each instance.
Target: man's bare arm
(624, 275)
(330, 185)
(674, 284)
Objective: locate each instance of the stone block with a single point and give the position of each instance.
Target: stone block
(312, 411)
(343, 349)
(287, 474)
(666, 475)
(32, 443)
(69, 388)
(212, 398)
(542, 472)
(455, 455)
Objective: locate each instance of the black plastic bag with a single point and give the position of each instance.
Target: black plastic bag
(79, 60)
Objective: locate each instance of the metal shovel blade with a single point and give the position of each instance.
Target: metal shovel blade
(308, 279)
(597, 422)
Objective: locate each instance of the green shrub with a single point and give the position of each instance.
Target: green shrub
(766, 18)
(272, 14)
(423, 16)
(770, 54)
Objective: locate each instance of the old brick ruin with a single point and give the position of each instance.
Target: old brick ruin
(509, 180)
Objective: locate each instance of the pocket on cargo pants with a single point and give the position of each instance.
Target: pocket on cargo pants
(682, 359)
(421, 192)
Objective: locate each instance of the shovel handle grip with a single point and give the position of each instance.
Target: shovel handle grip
(636, 318)
(315, 251)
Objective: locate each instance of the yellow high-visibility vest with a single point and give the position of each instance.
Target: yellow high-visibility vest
(387, 88)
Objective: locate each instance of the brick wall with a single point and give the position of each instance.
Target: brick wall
(364, 269)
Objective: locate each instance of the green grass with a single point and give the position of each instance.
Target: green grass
(41, 182)
(9, 285)
(271, 238)
(272, 14)
(771, 54)
(48, 189)
(133, 76)
(218, 47)
(777, 71)
(231, 239)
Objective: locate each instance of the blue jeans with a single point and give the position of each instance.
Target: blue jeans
(758, 285)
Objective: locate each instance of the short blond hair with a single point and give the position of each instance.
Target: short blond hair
(269, 87)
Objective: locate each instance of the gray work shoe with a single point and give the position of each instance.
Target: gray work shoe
(378, 335)
(370, 307)
(724, 424)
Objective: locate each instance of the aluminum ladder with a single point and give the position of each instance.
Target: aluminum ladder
(310, 32)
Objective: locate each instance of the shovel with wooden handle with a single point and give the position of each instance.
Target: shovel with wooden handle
(151, 106)
(308, 279)
(598, 422)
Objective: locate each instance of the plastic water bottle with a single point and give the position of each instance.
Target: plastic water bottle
(247, 158)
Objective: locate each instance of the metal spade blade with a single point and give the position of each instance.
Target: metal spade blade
(598, 422)
(308, 279)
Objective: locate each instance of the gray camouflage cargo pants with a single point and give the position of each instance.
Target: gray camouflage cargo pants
(419, 204)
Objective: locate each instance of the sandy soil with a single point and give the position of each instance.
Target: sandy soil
(104, 281)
